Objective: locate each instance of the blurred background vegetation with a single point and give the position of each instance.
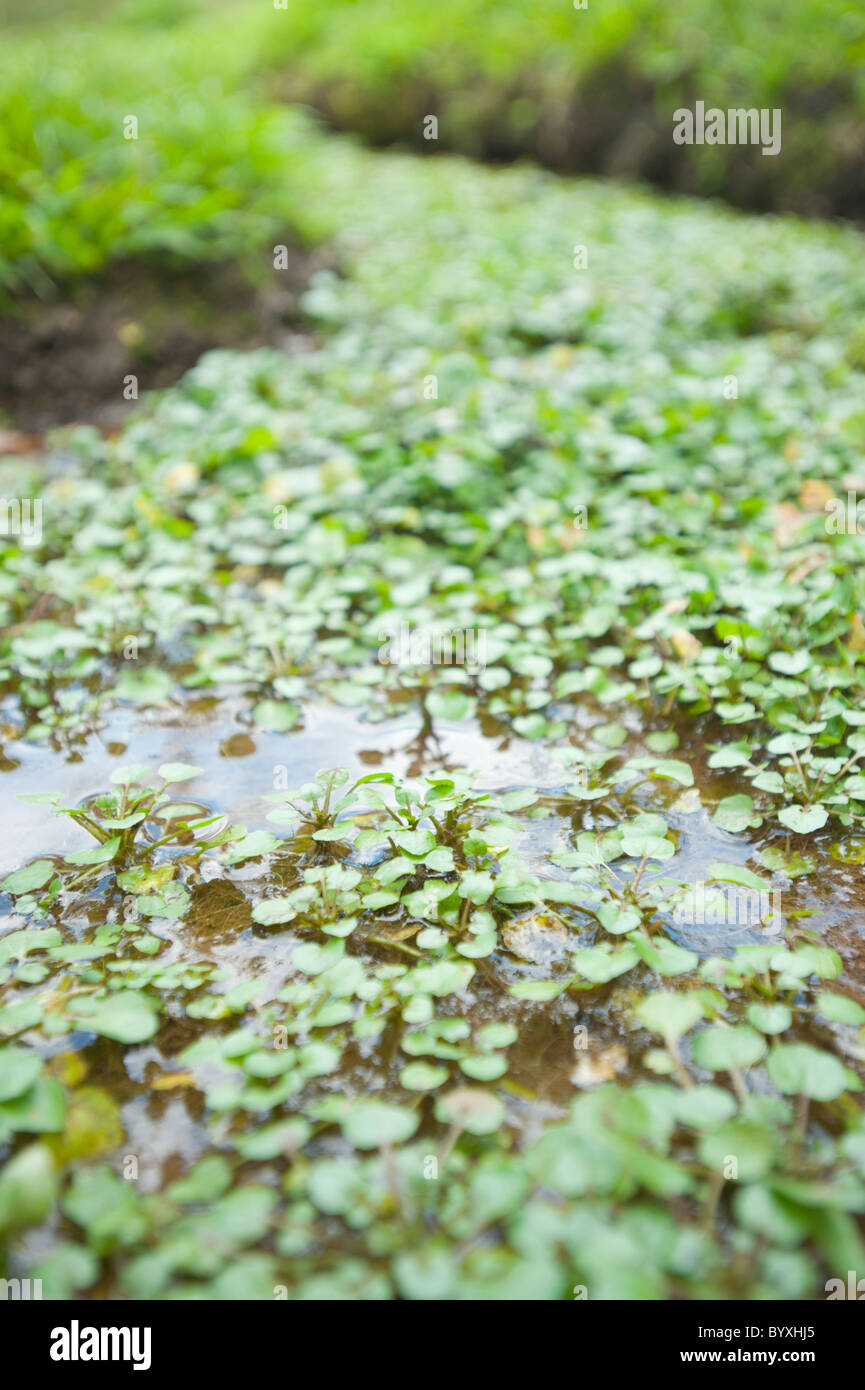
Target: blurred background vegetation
(223, 156)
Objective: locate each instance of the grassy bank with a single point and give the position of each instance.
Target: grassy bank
(217, 170)
(594, 90)
(115, 146)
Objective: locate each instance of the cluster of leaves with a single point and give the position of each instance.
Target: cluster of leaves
(628, 1197)
(588, 1204)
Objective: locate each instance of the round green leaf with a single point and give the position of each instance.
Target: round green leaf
(373, 1123)
(718, 1048)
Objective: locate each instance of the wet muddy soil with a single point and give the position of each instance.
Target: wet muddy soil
(86, 353)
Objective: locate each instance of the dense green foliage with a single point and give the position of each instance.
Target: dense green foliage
(488, 436)
(219, 170)
(210, 173)
(595, 88)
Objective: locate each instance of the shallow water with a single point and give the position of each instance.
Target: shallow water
(161, 1107)
(239, 765)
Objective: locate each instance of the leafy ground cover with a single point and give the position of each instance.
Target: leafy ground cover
(608, 433)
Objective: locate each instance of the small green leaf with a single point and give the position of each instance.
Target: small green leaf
(273, 911)
(736, 873)
(276, 716)
(800, 1068)
(735, 814)
(476, 1111)
(675, 770)
(179, 772)
(372, 1124)
(803, 819)
(840, 1009)
(102, 854)
(669, 1014)
(422, 1076)
(770, 1018)
(28, 879)
(718, 1048)
(127, 1016)
(18, 1071)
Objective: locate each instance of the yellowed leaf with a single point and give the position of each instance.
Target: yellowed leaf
(93, 1126)
(68, 1067)
(593, 1071)
(788, 520)
(181, 476)
(172, 1081)
(269, 588)
(856, 640)
(278, 487)
(805, 567)
(570, 536)
(130, 333)
(686, 646)
(539, 939)
(814, 494)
